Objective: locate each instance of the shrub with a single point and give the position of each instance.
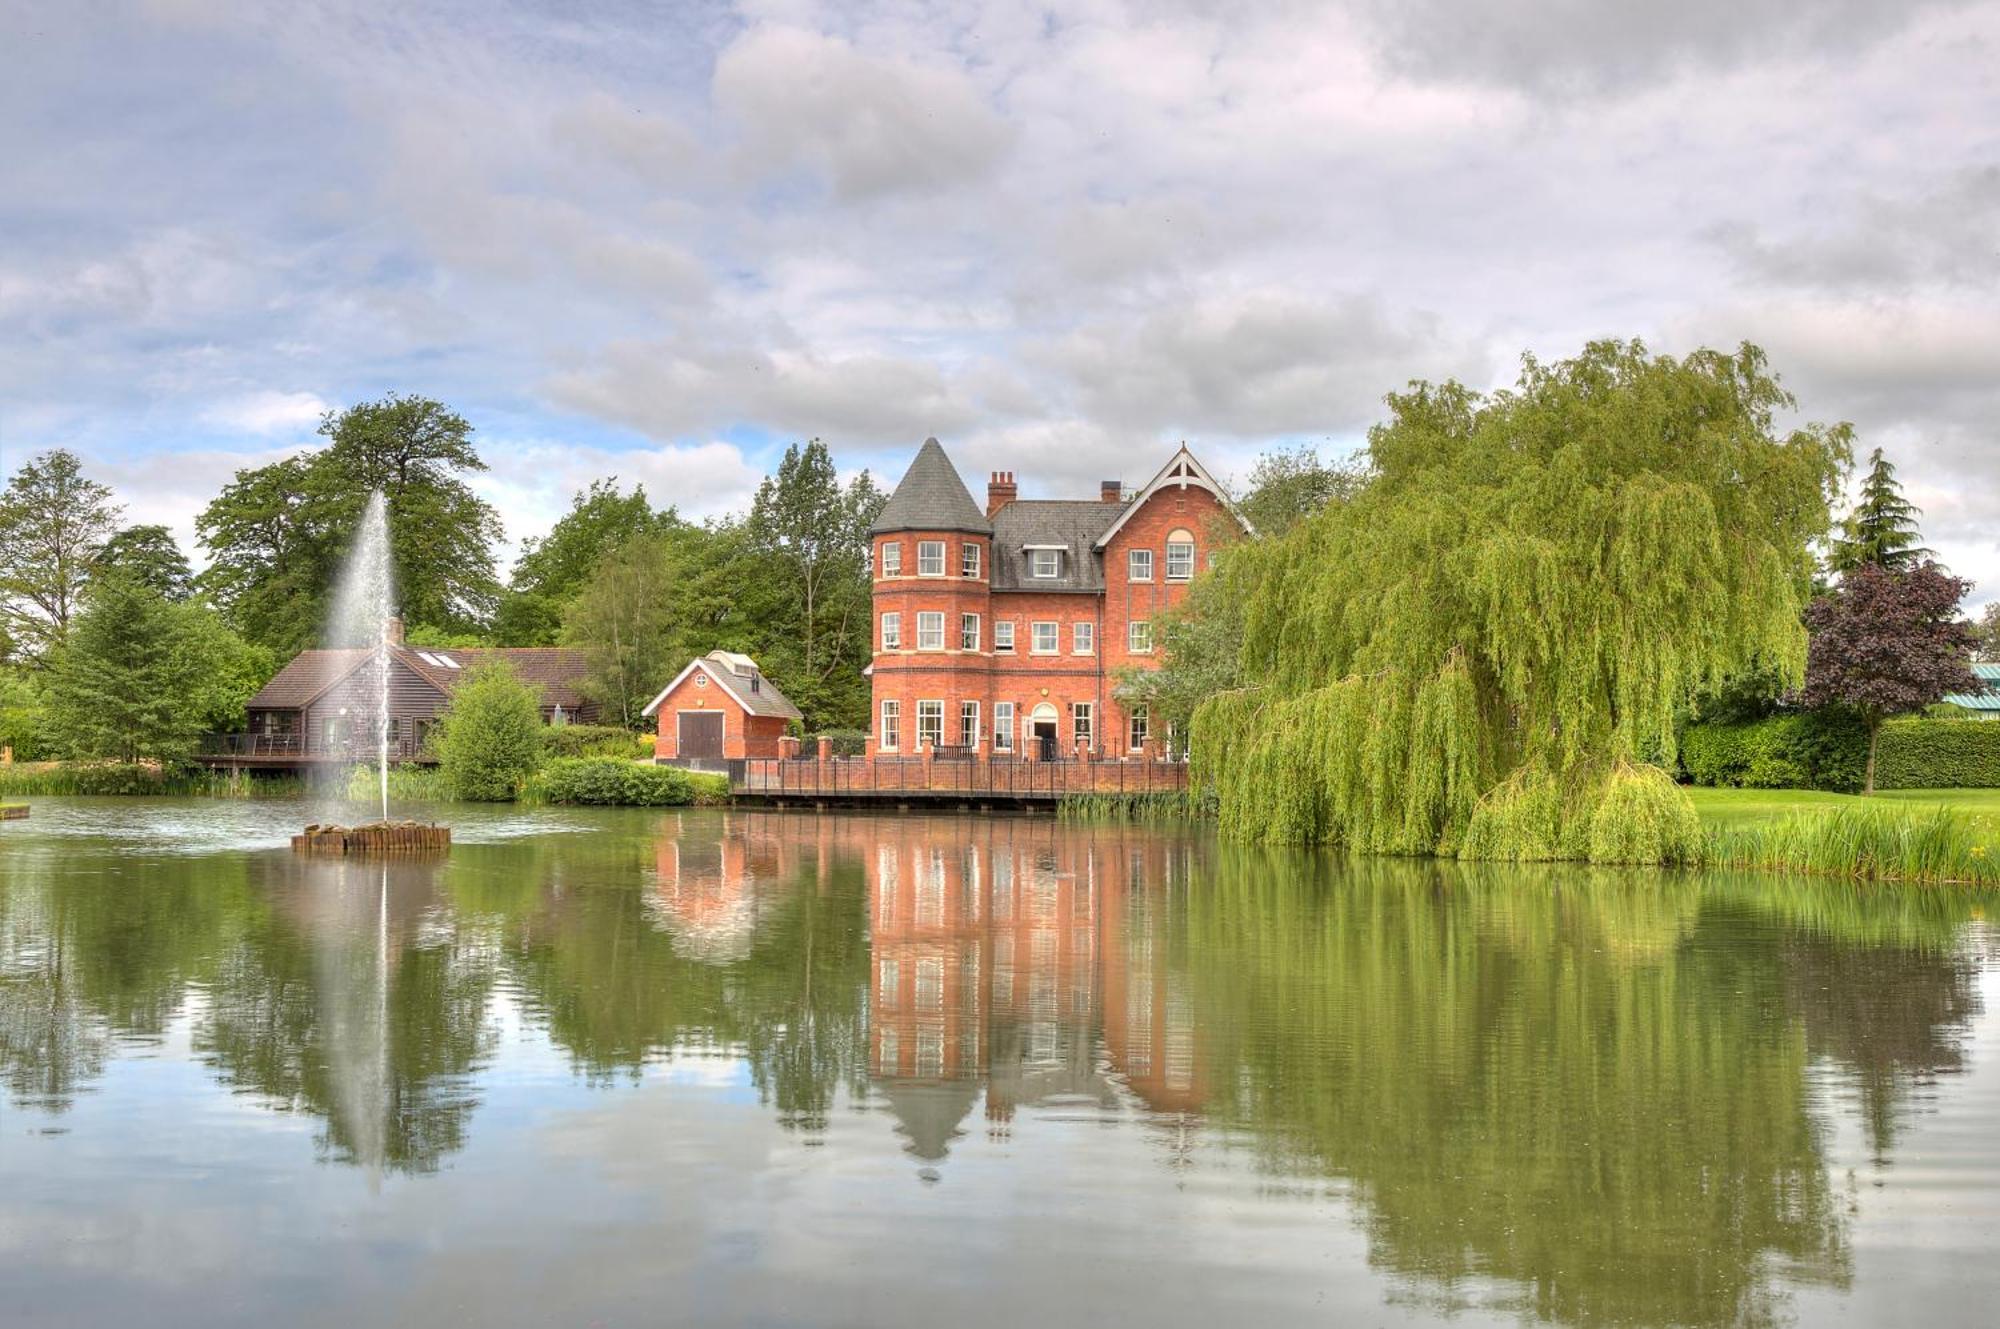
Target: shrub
(609, 782)
(490, 738)
(596, 740)
(1643, 817)
(1823, 749)
(1938, 754)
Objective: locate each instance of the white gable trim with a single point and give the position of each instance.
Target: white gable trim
(707, 666)
(1181, 471)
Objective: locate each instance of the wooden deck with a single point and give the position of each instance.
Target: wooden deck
(965, 780)
(293, 752)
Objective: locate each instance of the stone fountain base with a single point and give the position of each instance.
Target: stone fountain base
(381, 837)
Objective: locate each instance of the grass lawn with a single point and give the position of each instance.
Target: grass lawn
(1728, 808)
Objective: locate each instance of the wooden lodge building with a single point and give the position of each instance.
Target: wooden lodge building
(1000, 630)
(318, 708)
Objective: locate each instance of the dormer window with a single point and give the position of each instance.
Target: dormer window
(1045, 561)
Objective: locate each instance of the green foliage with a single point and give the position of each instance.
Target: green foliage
(489, 740)
(552, 569)
(1823, 749)
(52, 522)
(279, 532)
(1939, 754)
(596, 740)
(608, 781)
(1141, 808)
(1520, 602)
(630, 620)
(23, 721)
(1882, 529)
(1642, 817)
(63, 779)
(1288, 485)
(1921, 846)
(150, 556)
(408, 783)
(142, 678)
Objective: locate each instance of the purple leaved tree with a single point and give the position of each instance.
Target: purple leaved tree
(1888, 642)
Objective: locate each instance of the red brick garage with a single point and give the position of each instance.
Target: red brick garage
(720, 708)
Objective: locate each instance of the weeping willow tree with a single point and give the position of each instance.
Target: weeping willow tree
(1481, 653)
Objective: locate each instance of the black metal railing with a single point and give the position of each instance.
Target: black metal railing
(278, 746)
(969, 776)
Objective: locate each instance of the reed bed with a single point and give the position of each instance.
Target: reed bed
(66, 779)
(1171, 807)
(1918, 846)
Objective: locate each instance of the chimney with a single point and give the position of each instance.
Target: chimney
(1000, 491)
(392, 630)
(1111, 491)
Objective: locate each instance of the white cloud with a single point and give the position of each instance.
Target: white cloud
(268, 412)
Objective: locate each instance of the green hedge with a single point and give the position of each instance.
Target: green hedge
(1809, 750)
(608, 781)
(1938, 754)
(596, 740)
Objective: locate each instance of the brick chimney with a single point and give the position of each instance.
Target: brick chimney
(1111, 491)
(1000, 491)
(392, 628)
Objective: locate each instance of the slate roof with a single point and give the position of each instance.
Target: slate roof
(554, 671)
(1989, 700)
(1073, 523)
(932, 497)
(766, 700)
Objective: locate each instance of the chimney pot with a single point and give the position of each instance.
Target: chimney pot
(1000, 491)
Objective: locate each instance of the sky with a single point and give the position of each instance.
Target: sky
(662, 241)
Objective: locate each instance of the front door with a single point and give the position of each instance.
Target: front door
(1045, 739)
(701, 735)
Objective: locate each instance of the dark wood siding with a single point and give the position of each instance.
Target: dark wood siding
(413, 702)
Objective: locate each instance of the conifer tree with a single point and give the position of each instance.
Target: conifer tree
(122, 685)
(1482, 650)
(1882, 529)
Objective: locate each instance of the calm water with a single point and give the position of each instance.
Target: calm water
(707, 1068)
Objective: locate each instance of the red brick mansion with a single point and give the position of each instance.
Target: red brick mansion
(1002, 630)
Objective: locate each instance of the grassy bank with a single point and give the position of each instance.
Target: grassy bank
(1731, 809)
(50, 779)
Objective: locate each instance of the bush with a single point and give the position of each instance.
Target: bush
(1824, 749)
(1938, 754)
(609, 782)
(596, 740)
(490, 738)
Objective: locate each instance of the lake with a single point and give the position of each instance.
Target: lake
(756, 1068)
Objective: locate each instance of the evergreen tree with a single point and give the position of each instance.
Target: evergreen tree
(1882, 529)
(490, 737)
(1476, 652)
(52, 521)
(150, 556)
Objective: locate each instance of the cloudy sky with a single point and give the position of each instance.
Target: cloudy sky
(662, 239)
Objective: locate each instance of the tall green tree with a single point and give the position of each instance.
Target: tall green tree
(53, 518)
(1882, 529)
(277, 533)
(150, 556)
(142, 678)
(812, 532)
(1288, 485)
(552, 569)
(1474, 654)
(626, 620)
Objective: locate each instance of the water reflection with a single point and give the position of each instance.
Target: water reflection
(1570, 1096)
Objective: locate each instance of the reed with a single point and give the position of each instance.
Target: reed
(1175, 806)
(1916, 846)
(71, 779)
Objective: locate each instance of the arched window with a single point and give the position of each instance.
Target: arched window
(1180, 555)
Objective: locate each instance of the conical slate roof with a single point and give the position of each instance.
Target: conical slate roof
(931, 497)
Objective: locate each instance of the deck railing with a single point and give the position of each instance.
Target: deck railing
(966, 776)
(298, 747)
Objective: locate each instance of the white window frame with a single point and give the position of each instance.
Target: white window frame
(890, 736)
(1082, 725)
(892, 631)
(1003, 726)
(1138, 565)
(968, 723)
(1139, 636)
(892, 558)
(930, 629)
(1049, 558)
(968, 632)
(930, 558)
(1035, 638)
(930, 716)
(968, 560)
(1180, 543)
(1003, 634)
(1138, 728)
(1083, 637)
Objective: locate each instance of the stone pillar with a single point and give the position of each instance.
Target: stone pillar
(825, 748)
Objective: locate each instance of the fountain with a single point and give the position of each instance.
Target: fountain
(363, 611)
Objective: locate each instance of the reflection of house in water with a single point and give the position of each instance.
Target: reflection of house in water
(710, 887)
(1024, 957)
